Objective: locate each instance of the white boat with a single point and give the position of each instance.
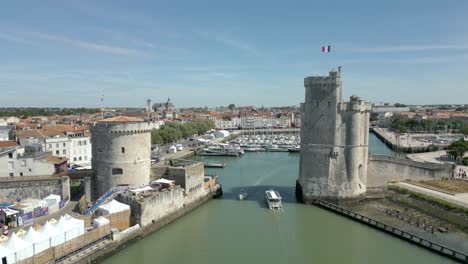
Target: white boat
(273, 199)
(243, 195)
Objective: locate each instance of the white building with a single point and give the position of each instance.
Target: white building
(80, 151)
(12, 120)
(33, 162)
(58, 145)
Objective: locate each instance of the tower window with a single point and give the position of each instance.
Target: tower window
(117, 171)
(123, 149)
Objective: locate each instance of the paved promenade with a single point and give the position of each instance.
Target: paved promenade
(460, 199)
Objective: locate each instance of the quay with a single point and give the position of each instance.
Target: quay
(269, 131)
(406, 142)
(417, 240)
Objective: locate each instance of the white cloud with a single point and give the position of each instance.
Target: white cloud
(88, 45)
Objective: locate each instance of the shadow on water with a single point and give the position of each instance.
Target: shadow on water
(257, 193)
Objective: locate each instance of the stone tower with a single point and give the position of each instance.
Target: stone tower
(149, 106)
(334, 141)
(121, 153)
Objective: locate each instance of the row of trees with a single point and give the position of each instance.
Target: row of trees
(173, 131)
(404, 125)
(28, 112)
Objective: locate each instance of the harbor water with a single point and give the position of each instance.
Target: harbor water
(227, 230)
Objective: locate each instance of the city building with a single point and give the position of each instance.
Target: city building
(28, 161)
(80, 151)
(121, 153)
(6, 132)
(334, 141)
(166, 109)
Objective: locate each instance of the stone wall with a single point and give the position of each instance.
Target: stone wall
(382, 170)
(151, 207)
(158, 172)
(33, 187)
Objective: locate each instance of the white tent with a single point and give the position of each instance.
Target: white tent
(39, 242)
(19, 247)
(221, 134)
(172, 149)
(53, 202)
(112, 207)
(142, 189)
(56, 235)
(100, 221)
(5, 252)
(74, 227)
(52, 199)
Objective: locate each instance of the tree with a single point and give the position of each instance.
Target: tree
(156, 137)
(374, 117)
(400, 105)
(231, 106)
(458, 148)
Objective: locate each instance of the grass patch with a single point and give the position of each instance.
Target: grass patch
(439, 202)
(456, 186)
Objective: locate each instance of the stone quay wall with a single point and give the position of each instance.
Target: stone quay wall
(383, 170)
(151, 208)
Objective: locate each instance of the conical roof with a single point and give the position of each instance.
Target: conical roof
(16, 244)
(33, 236)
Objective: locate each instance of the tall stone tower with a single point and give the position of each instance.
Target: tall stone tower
(121, 153)
(149, 106)
(334, 141)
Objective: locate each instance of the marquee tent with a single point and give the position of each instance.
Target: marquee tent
(113, 207)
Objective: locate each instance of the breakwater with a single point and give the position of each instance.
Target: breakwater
(442, 250)
(404, 144)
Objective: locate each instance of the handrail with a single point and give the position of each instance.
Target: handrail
(445, 251)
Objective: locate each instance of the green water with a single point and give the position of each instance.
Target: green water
(231, 231)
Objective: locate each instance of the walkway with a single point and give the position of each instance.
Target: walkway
(460, 199)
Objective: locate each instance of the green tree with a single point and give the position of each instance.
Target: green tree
(231, 106)
(458, 148)
(156, 137)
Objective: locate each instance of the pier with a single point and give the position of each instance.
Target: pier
(405, 142)
(437, 248)
(270, 131)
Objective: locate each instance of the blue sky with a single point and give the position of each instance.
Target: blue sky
(212, 53)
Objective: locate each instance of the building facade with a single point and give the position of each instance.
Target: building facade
(80, 151)
(121, 153)
(334, 141)
(29, 161)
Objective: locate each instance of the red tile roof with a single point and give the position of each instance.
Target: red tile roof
(8, 143)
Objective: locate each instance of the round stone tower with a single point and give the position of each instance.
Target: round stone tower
(121, 153)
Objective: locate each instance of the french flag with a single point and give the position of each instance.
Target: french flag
(326, 48)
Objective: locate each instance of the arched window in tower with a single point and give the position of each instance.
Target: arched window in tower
(123, 150)
(117, 171)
